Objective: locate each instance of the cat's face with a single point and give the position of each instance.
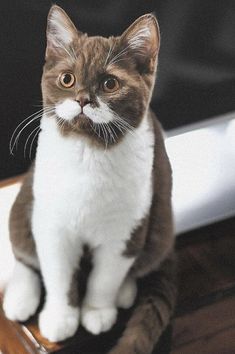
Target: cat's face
(99, 87)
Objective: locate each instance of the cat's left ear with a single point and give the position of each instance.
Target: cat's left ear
(142, 39)
(60, 31)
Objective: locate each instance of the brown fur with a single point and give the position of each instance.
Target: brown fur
(136, 78)
(152, 242)
(20, 223)
(155, 265)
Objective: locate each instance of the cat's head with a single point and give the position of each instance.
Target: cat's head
(99, 87)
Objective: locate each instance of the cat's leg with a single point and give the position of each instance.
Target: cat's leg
(59, 260)
(110, 268)
(22, 295)
(153, 311)
(127, 293)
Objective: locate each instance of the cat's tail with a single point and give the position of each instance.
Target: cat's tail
(153, 311)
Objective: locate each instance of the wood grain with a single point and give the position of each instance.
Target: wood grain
(12, 180)
(206, 265)
(13, 339)
(205, 322)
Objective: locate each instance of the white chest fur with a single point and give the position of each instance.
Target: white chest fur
(86, 190)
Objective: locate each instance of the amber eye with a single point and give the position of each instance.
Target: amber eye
(110, 84)
(67, 80)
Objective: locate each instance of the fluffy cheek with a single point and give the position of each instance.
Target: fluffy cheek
(100, 114)
(132, 107)
(68, 109)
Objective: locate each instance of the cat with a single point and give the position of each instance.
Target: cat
(101, 181)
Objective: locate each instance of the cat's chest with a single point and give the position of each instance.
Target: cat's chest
(86, 187)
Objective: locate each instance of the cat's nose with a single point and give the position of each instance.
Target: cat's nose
(83, 99)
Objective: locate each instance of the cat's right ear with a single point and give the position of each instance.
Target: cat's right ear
(60, 31)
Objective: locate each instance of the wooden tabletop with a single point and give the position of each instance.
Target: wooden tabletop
(206, 284)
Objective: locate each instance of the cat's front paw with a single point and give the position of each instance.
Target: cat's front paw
(57, 323)
(97, 320)
(21, 300)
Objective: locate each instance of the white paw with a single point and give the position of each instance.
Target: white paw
(127, 294)
(59, 322)
(21, 299)
(97, 320)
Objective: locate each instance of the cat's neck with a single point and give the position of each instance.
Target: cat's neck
(52, 142)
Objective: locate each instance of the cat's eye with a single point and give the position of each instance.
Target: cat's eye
(67, 79)
(110, 84)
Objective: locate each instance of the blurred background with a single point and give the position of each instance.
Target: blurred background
(195, 89)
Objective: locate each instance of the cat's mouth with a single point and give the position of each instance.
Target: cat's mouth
(79, 123)
(81, 116)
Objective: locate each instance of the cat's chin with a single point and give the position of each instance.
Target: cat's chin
(81, 117)
(80, 123)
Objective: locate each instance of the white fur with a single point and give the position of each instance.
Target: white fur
(59, 29)
(127, 293)
(140, 37)
(101, 114)
(68, 109)
(98, 320)
(30, 260)
(22, 294)
(57, 324)
(87, 195)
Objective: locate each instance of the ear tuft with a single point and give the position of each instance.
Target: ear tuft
(143, 39)
(60, 29)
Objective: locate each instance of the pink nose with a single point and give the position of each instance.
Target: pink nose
(83, 99)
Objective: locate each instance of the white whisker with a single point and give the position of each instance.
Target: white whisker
(105, 135)
(31, 145)
(26, 143)
(34, 117)
(111, 48)
(119, 54)
(20, 124)
(110, 132)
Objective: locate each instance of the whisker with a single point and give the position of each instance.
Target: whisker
(61, 46)
(113, 130)
(93, 127)
(74, 54)
(111, 48)
(98, 130)
(110, 132)
(37, 115)
(31, 145)
(18, 135)
(119, 127)
(26, 143)
(105, 135)
(122, 52)
(20, 124)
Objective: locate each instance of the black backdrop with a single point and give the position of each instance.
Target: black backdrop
(196, 77)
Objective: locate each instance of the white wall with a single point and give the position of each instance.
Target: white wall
(203, 162)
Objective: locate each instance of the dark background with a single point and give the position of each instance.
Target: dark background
(196, 77)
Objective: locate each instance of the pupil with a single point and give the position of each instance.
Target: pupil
(67, 78)
(110, 84)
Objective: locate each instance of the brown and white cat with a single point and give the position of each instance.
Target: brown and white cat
(101, 180)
